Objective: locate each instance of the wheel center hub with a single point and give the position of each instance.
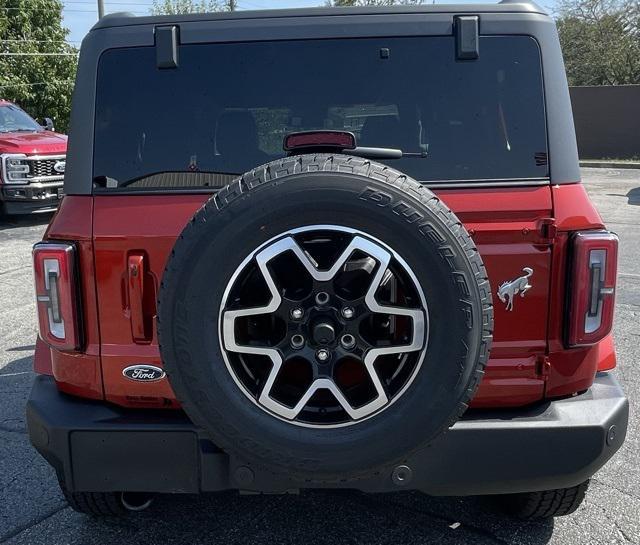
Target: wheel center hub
(323, 332)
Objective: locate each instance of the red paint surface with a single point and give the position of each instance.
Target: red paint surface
(607, 359)
(32, 143)
(509, 226)
(42, 358)
(79, 373)
(573, 208)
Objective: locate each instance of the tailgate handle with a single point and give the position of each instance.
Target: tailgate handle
(135, 287)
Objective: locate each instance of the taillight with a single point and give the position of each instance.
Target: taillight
(56, 295)
(592, 287)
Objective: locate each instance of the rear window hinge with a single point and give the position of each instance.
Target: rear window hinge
(467, 32)
(167, 40)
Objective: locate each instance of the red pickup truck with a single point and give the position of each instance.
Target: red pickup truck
(32, 162)
(354, 252)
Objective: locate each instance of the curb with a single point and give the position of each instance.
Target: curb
(610, 164)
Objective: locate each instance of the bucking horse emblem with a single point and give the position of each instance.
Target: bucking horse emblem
(508, 290)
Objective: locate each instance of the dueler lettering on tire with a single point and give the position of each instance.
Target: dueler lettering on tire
(324, 316)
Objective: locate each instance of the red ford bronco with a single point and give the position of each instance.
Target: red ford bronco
(32, 163)
(326, 248)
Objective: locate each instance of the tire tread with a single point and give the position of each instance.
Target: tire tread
(97, 504)
(546, 503)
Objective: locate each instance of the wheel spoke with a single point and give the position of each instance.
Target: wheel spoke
(265, 393)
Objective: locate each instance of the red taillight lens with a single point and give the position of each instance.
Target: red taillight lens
(54, 271)
(318, 139)
(592, 284)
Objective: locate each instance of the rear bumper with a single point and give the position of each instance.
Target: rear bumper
(99, 447)
(31, 198)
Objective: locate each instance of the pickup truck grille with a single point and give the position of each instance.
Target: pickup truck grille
(41, 169)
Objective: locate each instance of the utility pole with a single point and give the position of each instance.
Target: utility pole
(232, 4)
(100, 9)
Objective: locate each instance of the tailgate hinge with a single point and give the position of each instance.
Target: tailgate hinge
(548, 230)
(542, 367)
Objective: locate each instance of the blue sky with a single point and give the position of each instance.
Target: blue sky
(80, 15)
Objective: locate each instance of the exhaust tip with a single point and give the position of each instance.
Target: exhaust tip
(136, 501)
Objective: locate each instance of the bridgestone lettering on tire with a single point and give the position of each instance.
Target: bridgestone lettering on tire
(324, 316)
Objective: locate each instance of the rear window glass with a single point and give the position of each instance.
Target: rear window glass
(227, 108)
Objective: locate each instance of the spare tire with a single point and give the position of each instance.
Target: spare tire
(324, 316)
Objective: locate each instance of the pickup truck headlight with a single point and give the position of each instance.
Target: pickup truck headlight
(15, 169)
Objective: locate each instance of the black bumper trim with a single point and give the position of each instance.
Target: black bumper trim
(30, 199)
(99, 447)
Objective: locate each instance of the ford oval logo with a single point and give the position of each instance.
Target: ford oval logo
(60, 166)
(144, 373)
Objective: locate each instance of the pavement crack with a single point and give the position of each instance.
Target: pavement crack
(17, 475)
(617, 526)
(7, 429)
(15, 374)
(15, 269)
(612, 487)
(19, 529)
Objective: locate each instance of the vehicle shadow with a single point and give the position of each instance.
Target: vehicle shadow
(634, 196)
(317, 517)
(31, 220)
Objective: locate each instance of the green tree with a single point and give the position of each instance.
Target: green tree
(177, 7)
(600, 41)
(37, 65)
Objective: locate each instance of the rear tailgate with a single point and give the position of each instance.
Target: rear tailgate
(510, 227)
(138, 232)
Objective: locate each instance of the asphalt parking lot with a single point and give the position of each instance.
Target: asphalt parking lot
(33, 511)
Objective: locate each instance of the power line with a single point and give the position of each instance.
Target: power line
(108, 2)
(29, 40)
(38, 54)
(63, 10)
(51, 82)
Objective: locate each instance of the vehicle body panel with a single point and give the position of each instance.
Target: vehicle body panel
(504, 223)
(512, 222)
(38, 143)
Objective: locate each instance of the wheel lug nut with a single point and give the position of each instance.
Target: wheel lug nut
(322, 298)
(323, 355)
(347, 312)
(297, 313)
(348, 341)
(297, 341)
